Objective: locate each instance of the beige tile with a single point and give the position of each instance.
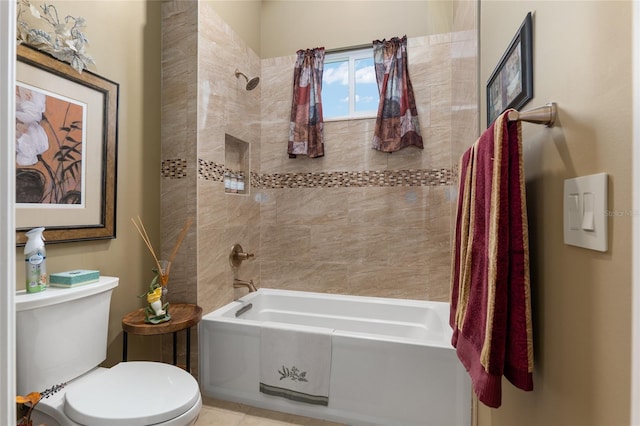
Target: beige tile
(215, 291)
(321, 277)
(311, 206)
(260, 421)
(212, 205)
(241, 210)
(333, 243)
(393, 245)
(224, 405)
(389, 206)
(224, 413)
(388, 281)
(285, 242)
(217, 417)
(259, 417)
(351, 151)
(266, 198)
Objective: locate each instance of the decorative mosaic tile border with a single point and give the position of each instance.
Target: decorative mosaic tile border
(211, 171)
(174, 168)
(208, 170)
(366, 178)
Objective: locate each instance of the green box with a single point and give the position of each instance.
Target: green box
(73, 278)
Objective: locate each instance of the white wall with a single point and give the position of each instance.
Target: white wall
(7, 226)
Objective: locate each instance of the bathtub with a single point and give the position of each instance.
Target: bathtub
(392, 362)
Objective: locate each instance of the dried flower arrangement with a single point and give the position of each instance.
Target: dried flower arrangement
(67, 42)
(157, 312)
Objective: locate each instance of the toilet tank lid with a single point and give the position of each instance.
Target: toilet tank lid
(54, 295)
(133, 393)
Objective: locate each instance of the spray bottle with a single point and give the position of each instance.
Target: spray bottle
(35, 258)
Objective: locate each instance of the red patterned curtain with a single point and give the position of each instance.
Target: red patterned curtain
(306, 127)
(397, 122)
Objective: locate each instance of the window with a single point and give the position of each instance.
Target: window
(349, 88)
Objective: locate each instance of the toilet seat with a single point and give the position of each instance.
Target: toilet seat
(132, 394)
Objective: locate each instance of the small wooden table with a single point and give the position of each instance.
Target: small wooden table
(183, 317)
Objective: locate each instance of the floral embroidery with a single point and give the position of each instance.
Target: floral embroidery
(293, 374)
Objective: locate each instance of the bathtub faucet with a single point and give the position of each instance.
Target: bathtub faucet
(242, 283)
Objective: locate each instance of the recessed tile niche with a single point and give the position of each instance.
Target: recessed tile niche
(236, 162)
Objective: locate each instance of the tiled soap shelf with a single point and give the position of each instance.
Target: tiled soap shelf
(236, 161)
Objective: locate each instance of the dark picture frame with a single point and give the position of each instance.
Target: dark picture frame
(511, 83)
(69, 188)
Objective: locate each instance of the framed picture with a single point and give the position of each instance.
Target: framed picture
(511, 83)
(66, 149)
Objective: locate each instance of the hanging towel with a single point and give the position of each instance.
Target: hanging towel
(295, 362)
(490, 294)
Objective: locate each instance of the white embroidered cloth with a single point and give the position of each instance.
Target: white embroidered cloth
(295, 362)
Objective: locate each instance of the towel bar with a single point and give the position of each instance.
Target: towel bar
(542, 115)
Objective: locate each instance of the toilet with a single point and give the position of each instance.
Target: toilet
(61, 337)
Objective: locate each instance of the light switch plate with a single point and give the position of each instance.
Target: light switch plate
(585, 212)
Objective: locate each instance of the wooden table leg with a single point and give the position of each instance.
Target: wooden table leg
(175, 348)
(189, 350)
(124, 345)
(183, 317)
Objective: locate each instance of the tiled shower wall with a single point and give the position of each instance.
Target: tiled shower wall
(356, 221)
(464, 75)
(202, 101)
(359, 221)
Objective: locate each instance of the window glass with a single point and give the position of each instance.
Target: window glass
(366, 88)
(349, 88)
(335, 89)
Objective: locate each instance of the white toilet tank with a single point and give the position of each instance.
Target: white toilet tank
(61, 333)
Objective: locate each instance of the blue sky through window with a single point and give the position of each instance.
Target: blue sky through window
(366, 87)
(336, 88)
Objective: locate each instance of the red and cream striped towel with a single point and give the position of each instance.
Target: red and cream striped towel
(490, 290)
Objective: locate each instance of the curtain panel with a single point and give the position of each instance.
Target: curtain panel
(306, 126)
(397, 120)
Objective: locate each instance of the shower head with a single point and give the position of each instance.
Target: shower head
(251, 84)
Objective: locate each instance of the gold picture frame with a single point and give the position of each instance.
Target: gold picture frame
(66, 150)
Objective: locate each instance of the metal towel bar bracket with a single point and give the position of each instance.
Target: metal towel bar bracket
(542, 115)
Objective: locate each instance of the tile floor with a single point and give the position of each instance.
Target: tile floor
(222, 413)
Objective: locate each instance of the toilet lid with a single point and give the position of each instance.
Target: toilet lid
(132, 394)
